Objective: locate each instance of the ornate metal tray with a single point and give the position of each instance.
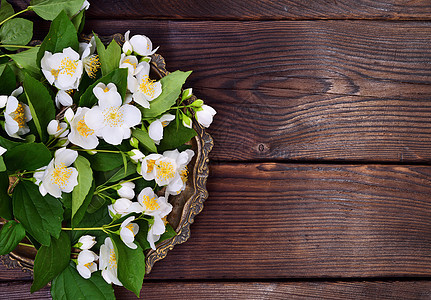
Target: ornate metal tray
(185, 206)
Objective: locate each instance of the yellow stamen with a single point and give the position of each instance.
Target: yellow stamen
(91, 65)
(165, 170)
(89, 264)
(69, 66)
(184, 173)
(19, 115)
(130, 227)
(112, 261)
(113, 116)
(83, 129)
(165, 220)
(127, 61)
(55, 73)
(150, 203)
(61, 175)
(150, 165)
(147, 86)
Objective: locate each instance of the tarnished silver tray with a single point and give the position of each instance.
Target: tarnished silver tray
(186, 205)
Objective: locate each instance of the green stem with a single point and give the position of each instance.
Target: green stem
(113, 186)
(13, 16)
(16, 46)
(96, 150)
(25, 172)
(77, 229)
(26, 245)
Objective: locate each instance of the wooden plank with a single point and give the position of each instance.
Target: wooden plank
(323, 90)
(308, 221)
(21, 290)
(281, 221)
(257, 9)
(252, 290)
(283, 290)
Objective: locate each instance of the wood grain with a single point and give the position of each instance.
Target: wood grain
(323, 90)
(308, 221)
(283, 290)
(251, 290)
(257, 9)
(21, 290)
(281, 221)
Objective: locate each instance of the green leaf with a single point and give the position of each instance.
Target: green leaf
(118, 77)
(123, 173)
(62, 34)
(10, 235)
(2, 164)
(141, 236)
(169, 233)
(85, 179)
(171, 90)
(103, 161)
(27, 157)
(51, 261)
(27, 60)
(6, 10)
(16, 31)
(79, 21)
(96, 219)
(5, 200)
(8, 144)
(77, 218)
(144, 138)
(174, 136)
(40, 216)
(109, 57)
(8, 80)
(95, 203)
(41, 105)
(69, 285)
(131, 265)
(49, 9)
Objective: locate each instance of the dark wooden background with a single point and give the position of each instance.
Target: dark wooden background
(320, 183)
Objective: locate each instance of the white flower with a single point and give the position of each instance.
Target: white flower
(80, 133)
(57, 129)
(86, 242)
(58, 176)
(63, 98)
(205, 116)
(135, 155)
(138, 43)
(15, 93)
(131, 63)
(126, 190)
(128, 231)
(16, 115)
(108, 262)
(110, 119)
(153, 205)
(155, 231)
(159, 208)
(89, 59)
(123, 206)
(145, 89)
(86, 263)
(182, 159)
(168, 168)
(148, 171)
(63, 69)
(155, 130)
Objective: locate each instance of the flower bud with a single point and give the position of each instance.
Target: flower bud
(134, 142)
(127, 48)
(197, 103)
(187, 94)
(205, 115)
(146, 59)
(68, 115)
(91, 152)
(86, 242)
(135, 155)
(187, 122)
(126, 190)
